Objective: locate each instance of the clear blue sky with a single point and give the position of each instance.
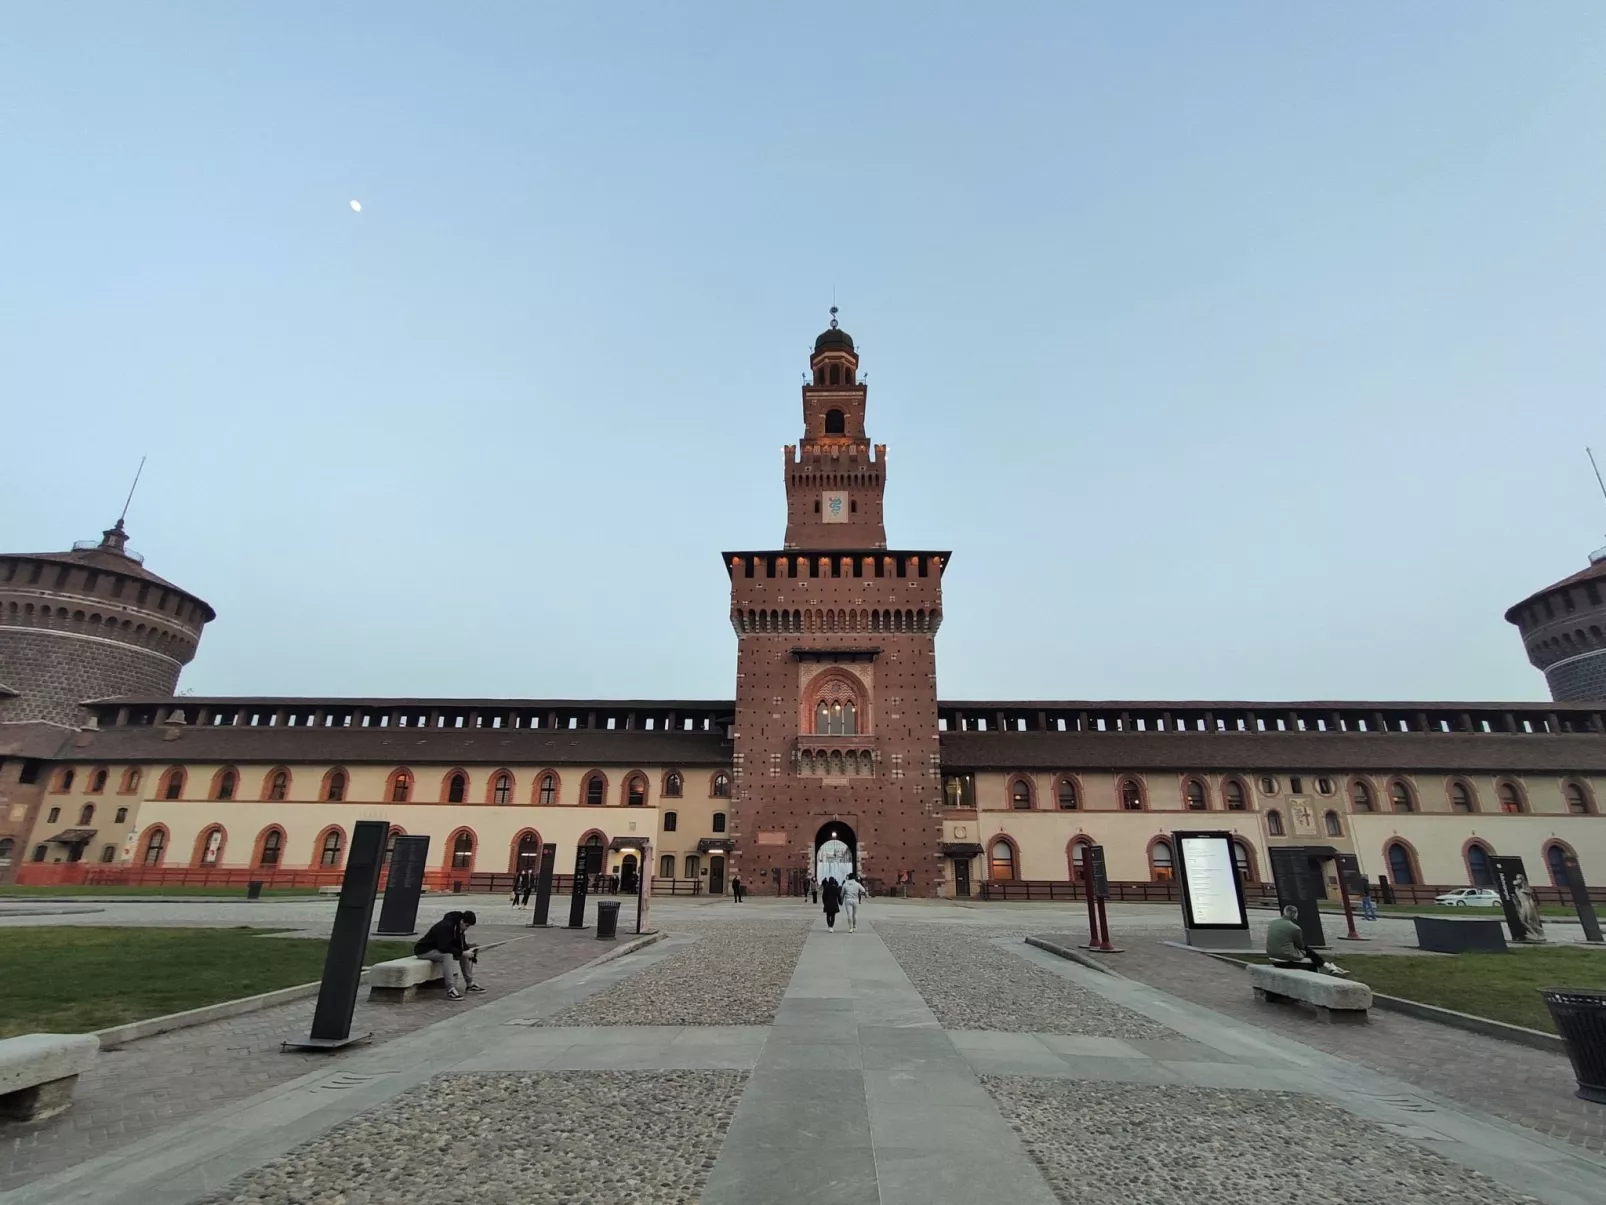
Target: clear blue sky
(1235, 350)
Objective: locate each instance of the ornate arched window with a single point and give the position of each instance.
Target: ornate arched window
(1360, 793)
(329, 855)
(86, 814)
(1511, 800)
(1161, 869)
(636, 792)
(527, 854)
(1232, 791)
(1067, 796)
(334, 787)
(674, 784)
(502, 788)
(1578, 799)
(155, 846)
(1556, 863)
(1001, 861)
(223, 786)
(272, 847)
(1400, 796)
(1020, 794)
(835, 421)
(1194, 796)
(548, 793)
(463, 850)
(1461, 797)
(1243, 860)
(97, 782)
(1130, 791)
(1480, 870)
(596, 790)
(722, 785)
(211, 846)
(279, 785)
(401, 786)
(1402, 867)
(836, 707)
(456, 788)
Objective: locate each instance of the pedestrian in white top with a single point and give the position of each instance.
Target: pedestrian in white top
(852, 892)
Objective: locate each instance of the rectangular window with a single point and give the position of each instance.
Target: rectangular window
(1296, 785)
(122, 815)
(55, 815)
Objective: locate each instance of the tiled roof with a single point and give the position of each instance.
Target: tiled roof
(1249, 752)
(1595, 572)
(32, 739)
(403, 746)
(111, 562)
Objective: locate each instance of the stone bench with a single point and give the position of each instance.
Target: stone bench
(1333, 998)
(401, 979)
(38, 1071)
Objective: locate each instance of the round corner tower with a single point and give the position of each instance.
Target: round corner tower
(1564, 630)
(92, 623)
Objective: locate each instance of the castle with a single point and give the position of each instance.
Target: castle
(836, 739)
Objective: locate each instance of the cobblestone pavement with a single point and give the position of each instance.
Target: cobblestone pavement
(165, 1079)
(735, 973)
(1532, 1088)
(970, 983)
(1141, 1144)
(548, 1138)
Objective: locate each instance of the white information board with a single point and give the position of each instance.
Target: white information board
(1209, 881)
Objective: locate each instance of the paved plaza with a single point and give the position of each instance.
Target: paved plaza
(752, 1055)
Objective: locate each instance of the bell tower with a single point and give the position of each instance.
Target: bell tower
(835, 738)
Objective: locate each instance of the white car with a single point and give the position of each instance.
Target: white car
(1470, 897)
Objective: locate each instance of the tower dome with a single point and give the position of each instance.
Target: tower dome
(833, 338)
(91, 623)
(1563, 628)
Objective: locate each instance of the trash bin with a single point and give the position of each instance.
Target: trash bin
(253, 891)
(607, 920)
(1580, 1017)
(457, 886)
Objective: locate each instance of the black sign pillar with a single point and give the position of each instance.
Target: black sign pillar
(1517, 900)
(577, 894)
(1581, 901)
(543, 887)
(1291, 873)
(348, 942)
(398, 915)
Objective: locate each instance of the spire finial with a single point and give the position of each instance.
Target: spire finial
(131, 490)
(833, 317)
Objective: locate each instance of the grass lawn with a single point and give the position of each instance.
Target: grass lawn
(1502, 987)
(213, 892)
(62, 979)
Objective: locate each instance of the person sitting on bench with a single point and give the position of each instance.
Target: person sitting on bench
(446, 943)
(1285, 946)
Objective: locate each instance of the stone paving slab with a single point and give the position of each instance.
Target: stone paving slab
(1146, 1145)
(550, 1138)
(1532, 1088)
(166, 1079)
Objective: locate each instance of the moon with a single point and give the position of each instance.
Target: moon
(356, 207)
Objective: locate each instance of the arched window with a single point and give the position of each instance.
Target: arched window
(390, 844)
(722, 785)
(1480, 871)
(334, 787)
(272, 847)
(97, 782)
(1232, 790)
(1461, 799)
(122, 815)
(155, 846)
(1556, 863)
(596, 790)
(329, 855)
(1360, 793)
(463, 850)
(173, 783)
(211, 846)
(1020, 794)
(108, 853)
(279, 785)
(1001, 864)
(1067, 795)
(456, 788)
(1578, 801)
(1131, 793)
(65, 780)
(836, 376)
(1401, 868)
(836, 423)
(86, 814)
(836, 718)
(130, 781)
(719, 822)
(1193, 795)
(527, 854)
(1274, 823)
(401, 786)
(1511, 800)
(636, 792)
(673, 785)
(549, 789)
(1160, 868)
(1334, 827)
(1079, 847)
(594, 855)
(1243, 860)
(671, 822)
(227, 780)
(1400, 795)
(502, 788)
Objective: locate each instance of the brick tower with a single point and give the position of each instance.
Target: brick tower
(1564, 631)
(836, 674)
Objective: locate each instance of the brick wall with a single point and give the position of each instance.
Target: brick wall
(1578, 680)
(54, 671)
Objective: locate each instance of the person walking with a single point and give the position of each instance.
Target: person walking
(1368, 904)
(446, 943)
(814, 889)
(833, 901)
(853, 893)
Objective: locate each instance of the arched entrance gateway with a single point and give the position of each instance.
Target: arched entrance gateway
(836, 851)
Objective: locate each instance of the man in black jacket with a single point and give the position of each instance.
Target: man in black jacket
(446, 942)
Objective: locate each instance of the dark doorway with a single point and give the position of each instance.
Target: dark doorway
(627, 874)
(836, 851)
(716, 875)
(594, 852)
(962, 878)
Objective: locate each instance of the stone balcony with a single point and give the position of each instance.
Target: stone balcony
(835, 756)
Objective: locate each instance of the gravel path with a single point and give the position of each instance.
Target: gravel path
(575, 1138)
(1137, 1144)
(735, 973)
(969, 983)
